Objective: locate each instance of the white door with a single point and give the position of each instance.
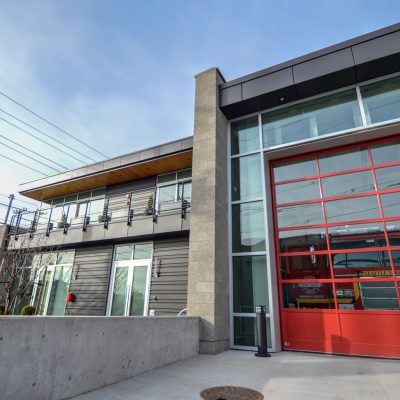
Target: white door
(130, 283)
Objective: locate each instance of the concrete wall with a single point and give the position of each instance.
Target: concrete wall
(51, 358)
(208, 284)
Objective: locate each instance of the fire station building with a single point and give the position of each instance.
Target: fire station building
(288, 195)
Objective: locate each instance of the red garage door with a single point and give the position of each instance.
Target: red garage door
(337, 228)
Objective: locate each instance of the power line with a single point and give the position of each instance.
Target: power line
(32, 158)
(48, 159)
(15, 207)
(50, 123)
(24, 165)
(43, 141)
(21, 201)
(47, 135)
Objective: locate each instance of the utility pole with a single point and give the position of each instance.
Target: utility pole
(11, 197)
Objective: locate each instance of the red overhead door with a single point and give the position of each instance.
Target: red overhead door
(337, 229)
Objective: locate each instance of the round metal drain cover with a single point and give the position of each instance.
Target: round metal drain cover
(230, 393)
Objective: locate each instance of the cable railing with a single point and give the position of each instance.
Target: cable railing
(126, 207)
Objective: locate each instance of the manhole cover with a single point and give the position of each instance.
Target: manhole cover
(231, 393)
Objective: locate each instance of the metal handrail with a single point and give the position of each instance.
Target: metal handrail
(42, 219)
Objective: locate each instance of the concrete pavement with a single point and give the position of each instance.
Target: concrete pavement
(286, 375)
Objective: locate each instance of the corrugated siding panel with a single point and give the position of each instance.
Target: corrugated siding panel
(91, 286)
(168, 292)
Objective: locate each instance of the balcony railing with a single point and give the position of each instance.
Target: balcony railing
(126, 207)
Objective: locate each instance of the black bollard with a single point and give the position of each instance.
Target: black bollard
(262, 332)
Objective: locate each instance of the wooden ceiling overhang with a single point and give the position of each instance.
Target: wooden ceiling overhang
(90, 181)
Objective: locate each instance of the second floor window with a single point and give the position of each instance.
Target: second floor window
(174, 187)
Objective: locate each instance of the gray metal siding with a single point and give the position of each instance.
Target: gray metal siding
(92, 266)
(141, 190)
(168, 291)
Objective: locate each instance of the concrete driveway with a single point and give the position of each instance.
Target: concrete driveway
(287, 375)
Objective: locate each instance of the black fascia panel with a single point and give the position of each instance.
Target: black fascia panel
(269, 90)
(377, 57)
(231, 103)
(322, 74)
(230, 95)
(235, 110)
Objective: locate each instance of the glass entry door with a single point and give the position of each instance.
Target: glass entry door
(130, 295)
(51, 290)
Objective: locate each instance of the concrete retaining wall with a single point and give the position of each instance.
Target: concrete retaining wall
(52, 358)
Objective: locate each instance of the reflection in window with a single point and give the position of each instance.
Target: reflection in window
(344, 160)
(356, 236)
(359, 208)
(359, 265)
(342, 185)
(302, 240)
(244, 136)
(123, 253)
(143, 251)
(246, 178)
(312, 266)
(381, 100)
(167, 194)
(140, 251)
(391, 204)
(366, 296)
(297, 191)
(250, 287)
(301, 215)
(386, 153)
(295, 170)
(185, 190)
(245, 331)
(313, 118)
(180, 189)
(248, 227)
(393, 231)
(313, 295)
(388, 178)
(96, 210)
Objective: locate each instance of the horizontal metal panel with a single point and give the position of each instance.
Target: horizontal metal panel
(324, 65)
(170, 260)
(230, 95)
(268, 83)
(379, 47)
(93, 266)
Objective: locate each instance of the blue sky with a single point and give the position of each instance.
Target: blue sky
(120, 74)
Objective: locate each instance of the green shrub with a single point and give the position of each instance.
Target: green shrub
(28, 310)
(2, 309)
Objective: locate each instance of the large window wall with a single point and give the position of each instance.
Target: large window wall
(249, 271)
(338, 228)
(53, 275)
(338, 112)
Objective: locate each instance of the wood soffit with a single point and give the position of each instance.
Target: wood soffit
(113, 176)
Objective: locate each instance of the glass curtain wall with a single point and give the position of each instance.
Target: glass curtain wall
(338, 228)
(345, 110)
(248, 264)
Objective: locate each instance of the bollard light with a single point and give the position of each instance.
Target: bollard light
(262, 332)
